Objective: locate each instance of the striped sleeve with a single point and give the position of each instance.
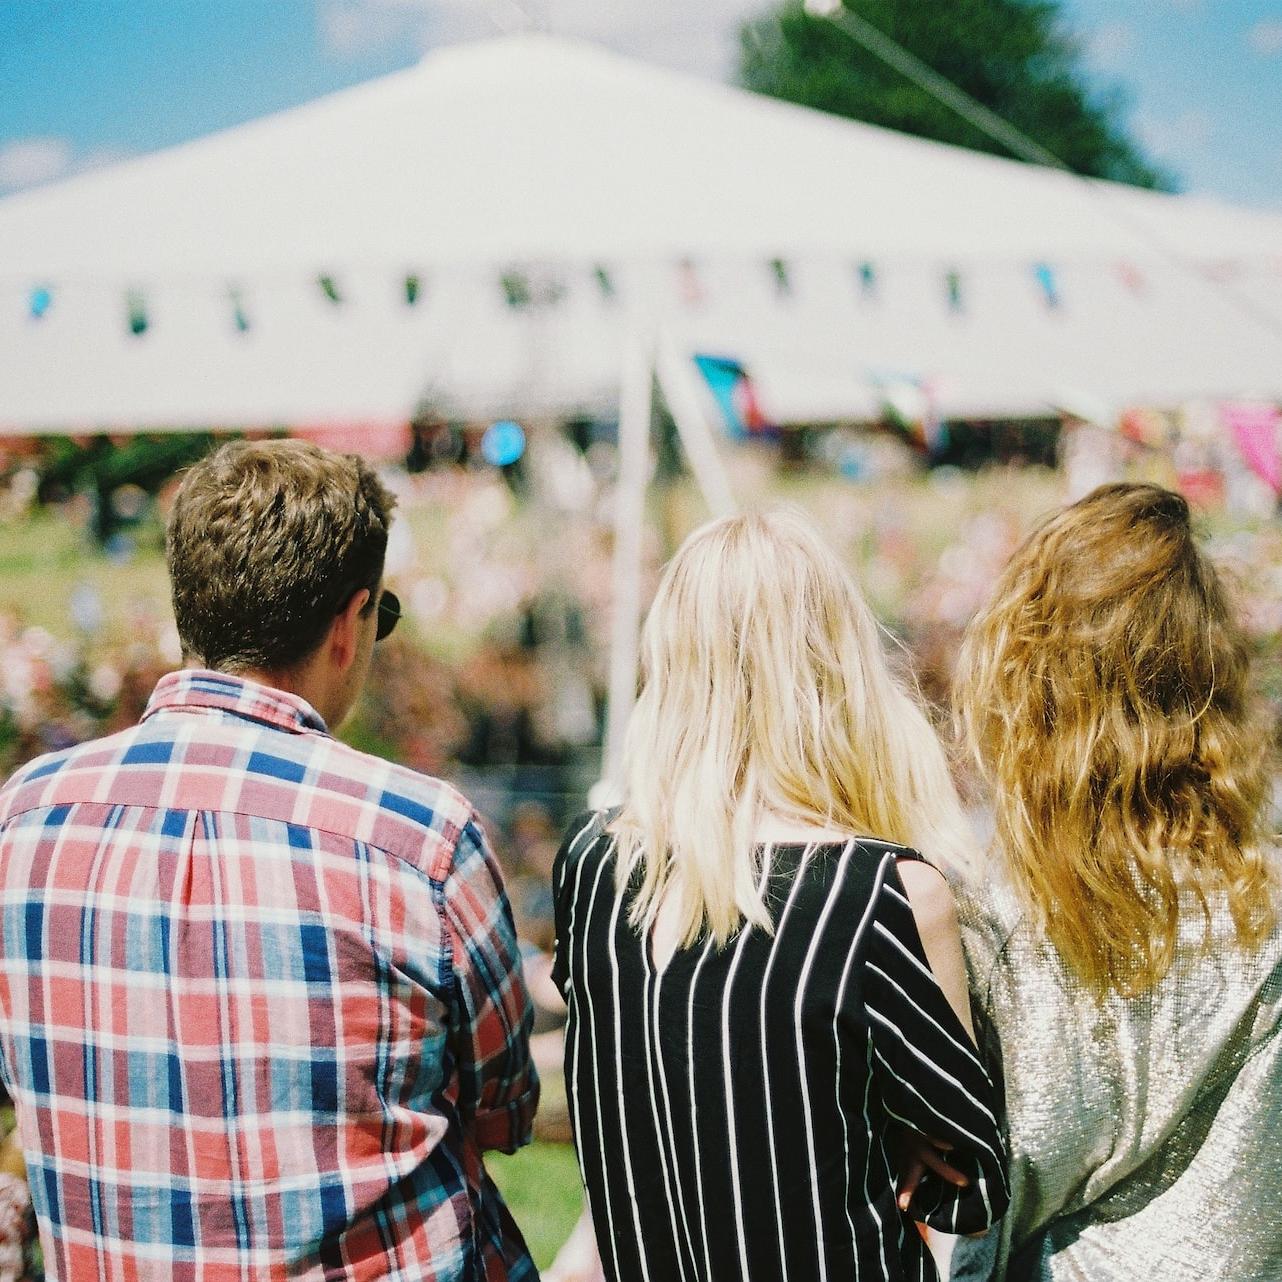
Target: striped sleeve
(928, 1071)
(499, 1087)
(578, 839)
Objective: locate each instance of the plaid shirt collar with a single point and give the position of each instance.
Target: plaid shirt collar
(194, 689)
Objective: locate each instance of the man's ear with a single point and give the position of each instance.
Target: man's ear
(344, 633)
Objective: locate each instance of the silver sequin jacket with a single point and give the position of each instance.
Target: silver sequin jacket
(1145, 1133)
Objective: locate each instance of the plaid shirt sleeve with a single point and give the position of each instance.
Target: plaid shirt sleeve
(499, 1088)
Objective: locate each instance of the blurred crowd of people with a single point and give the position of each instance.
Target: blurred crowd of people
(499, 681)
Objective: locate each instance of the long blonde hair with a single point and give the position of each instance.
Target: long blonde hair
(765, 689)
(1104, 694)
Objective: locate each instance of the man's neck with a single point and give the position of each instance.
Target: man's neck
(303, 682)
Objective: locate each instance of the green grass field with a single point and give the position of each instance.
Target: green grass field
(44, 558)
(541, 1185)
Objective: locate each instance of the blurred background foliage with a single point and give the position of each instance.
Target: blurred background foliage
(1015, 57)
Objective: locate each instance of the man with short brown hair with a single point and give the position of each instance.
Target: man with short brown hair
(261, 1004)
(266, 543)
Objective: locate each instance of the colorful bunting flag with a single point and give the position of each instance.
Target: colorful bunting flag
(523, 288)
(136, 305)
(1045, 276)
(516, 289)
(537, 285)
(604, 281)
(239, 316)
(953, 282)
(735, 395)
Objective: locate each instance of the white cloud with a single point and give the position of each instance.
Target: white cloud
(1110, 43)
(99, 158)
(1185, 135)
(1265, 37)
(351, 28)
(698, 37)
(28, 161)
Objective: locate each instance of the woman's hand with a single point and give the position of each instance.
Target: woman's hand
(918, 1154)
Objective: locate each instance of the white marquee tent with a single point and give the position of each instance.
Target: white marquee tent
(554, 159)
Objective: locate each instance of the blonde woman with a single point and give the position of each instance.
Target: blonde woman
(1127, 952)
(767, 1002)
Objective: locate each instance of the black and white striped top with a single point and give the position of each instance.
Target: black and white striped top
(733, 1112)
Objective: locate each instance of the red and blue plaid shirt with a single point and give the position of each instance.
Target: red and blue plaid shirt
(261, 1004)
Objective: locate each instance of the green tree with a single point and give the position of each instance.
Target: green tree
(1014, 56)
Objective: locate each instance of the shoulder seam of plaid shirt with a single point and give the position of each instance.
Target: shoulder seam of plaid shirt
(261, 1003)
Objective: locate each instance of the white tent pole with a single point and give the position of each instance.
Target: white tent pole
(635, 406)
(681, 393)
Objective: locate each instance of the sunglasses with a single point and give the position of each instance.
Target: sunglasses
(389, 615)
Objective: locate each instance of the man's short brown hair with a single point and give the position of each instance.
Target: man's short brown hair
(267, 542)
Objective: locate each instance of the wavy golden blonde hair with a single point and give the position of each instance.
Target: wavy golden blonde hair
(1103, 692)
(765, 689)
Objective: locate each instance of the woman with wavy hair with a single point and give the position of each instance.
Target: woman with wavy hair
(1127, 949)
(768, 1019)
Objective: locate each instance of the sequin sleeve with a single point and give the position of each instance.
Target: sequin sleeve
(1141, 1130)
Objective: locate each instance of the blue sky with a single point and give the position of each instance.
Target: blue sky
(88, 81)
